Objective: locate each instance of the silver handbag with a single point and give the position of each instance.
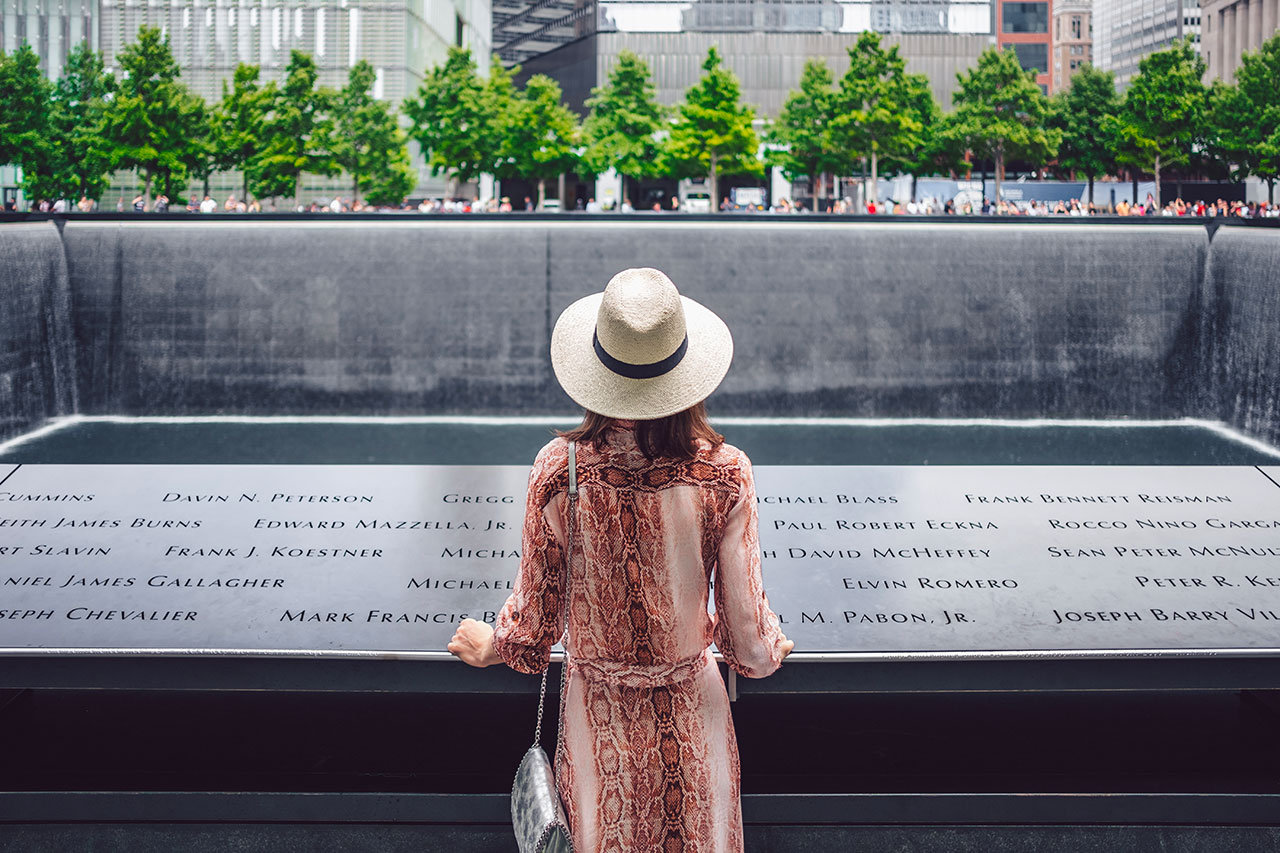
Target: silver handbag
(537, 814)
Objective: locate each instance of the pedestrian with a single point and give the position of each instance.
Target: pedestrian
(648, 760)
(162, 204)
(139, 203)
(208, 205)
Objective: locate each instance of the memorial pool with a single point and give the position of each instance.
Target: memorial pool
(515, 440)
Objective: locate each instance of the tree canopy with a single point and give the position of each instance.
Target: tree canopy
(623, 122)
(800, 140)
(451, 119)
(1163, 114)
(1082, 114)
(1000, 113)
(542, 142)
(367, 141)
(712, 133)
(297, 131)
(153, 122)
(873, 106)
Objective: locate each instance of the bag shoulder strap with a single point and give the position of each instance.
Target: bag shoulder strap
(568, 582)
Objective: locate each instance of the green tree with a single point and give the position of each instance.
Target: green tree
(153, 121)
(71, 163)
(1246, 116)
(932, 154)
(452, 120)
(712, 133)
(239, 124)
(1000, 113)
(1083, 114)
(542, 138)
(800, 138)
(872, 117)
(623, 123)
(368, 143)
(298, 133)
(1163, 117)
(25, 108)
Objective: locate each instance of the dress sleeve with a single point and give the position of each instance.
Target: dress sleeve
(532, 619)
(746, 629)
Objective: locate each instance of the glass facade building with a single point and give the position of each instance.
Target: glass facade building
(1125, 31)
(1023, 27)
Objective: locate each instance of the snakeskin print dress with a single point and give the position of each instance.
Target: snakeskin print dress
(649, 760)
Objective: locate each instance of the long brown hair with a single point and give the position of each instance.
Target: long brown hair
(673, 437)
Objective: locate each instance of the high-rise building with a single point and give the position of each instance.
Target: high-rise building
(400, 38)
(1232, 27)
(1125, 31)
(1072, 39)
(765, 42)
(51, 27)
(1023, 27)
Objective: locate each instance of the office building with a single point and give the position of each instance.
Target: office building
(1125, 31)
(1023, 27)
(765, 42)
(1072, 39)
(1233, 27)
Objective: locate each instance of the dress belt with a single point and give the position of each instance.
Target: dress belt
(640, 675)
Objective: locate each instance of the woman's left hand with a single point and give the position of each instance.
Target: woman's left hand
(473, 644)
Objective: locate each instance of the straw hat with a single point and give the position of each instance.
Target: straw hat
(640, 350)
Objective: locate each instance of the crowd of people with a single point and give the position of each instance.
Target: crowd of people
(844, 206)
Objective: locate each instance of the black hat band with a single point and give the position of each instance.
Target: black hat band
(640, 371)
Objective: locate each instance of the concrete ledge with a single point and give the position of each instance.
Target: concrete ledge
(1021, 808)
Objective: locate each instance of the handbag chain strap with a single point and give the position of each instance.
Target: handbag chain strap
(568, 579)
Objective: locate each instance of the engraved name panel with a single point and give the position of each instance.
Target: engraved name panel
(856, 559)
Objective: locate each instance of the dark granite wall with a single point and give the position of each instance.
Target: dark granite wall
(36, 352)
(1242, 331)
(868, 319)
(331, 318)
(945, 321)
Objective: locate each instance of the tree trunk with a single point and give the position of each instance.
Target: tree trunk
(875, 178)
(1271, 191)
(715, 193)
(146, 191)
(297, 189)
(622, 190)
(244, 185)
(1134, 176)
(355, 189)
(542, 192)
(1091, 189)
(1157, 174)
(999, 175)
